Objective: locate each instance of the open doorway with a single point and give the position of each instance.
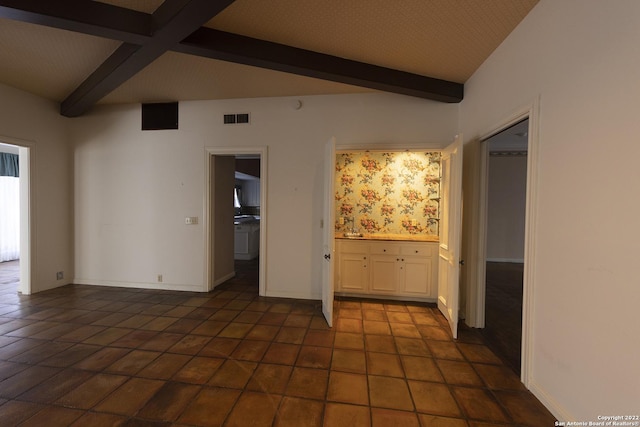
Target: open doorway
(14, 220)
(236, 216)
(505, 234)
(246, 221)
(475, 237)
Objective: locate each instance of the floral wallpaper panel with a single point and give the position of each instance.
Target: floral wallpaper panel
(388, 192)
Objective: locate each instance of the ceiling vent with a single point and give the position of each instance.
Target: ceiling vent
(233, 119)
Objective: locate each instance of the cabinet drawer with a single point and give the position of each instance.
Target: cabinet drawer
(382, 248)
(417, 249)
(354, 247)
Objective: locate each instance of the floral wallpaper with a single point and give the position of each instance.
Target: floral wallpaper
(388, 192)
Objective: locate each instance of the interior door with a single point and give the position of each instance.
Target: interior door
(328, 222)
(450, 226)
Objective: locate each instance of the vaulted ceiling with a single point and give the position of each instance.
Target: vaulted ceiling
(84, 52)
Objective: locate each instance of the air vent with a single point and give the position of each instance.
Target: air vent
(232, 119)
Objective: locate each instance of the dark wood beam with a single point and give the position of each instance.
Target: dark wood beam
(82, 16)
(225, 46)
(172, 22)
(176, 25)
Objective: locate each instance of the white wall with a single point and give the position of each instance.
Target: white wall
(581, 58)
(506, 208)
(133, 188)
(28, 120)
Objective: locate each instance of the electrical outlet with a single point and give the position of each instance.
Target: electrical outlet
(60, 275)
(414, 222)
(159, 278)
(341, 220)
(191, 220)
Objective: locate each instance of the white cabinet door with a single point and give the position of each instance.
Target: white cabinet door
(353, 273)
(384, 274)
(416, 275)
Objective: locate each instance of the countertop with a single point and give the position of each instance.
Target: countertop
(398, 237)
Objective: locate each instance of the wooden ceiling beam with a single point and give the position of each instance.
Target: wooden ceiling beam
(177, 26)
(172, 22)
(82, 16)
(229, 47)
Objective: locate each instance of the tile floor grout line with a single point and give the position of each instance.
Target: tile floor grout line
(309, 337)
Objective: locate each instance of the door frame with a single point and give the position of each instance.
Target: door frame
(476, 297)
(26, 159)
(261, 152)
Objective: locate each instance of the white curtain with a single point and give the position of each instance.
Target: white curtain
(9, 218)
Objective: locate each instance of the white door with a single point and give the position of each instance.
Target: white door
(450, 226)
(328, 222)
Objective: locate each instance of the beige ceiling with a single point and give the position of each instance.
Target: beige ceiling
(446, 39)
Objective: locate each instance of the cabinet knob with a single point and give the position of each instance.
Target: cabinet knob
(384, 250)
(397, 259)
(416, 251)
(364, 258)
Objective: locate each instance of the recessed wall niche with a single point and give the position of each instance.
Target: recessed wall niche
(388, 192)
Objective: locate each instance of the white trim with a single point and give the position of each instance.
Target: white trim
(531, 220)
(387, 297)
(482, 237)
(470, 229)
(229, 151)
(140, 285)
(530, 111)
(27, 159)
(296, 295)
(549, 402)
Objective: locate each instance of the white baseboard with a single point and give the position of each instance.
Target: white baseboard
(549, 402)
(290, 294)
(385, 297)
(513, 260)
(141, 285)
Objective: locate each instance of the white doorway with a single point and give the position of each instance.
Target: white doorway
(477, 233)
(20, 269)
(219, 234)
(504, 267)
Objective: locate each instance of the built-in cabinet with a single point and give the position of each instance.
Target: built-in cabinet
(247, 240)
(387, 268)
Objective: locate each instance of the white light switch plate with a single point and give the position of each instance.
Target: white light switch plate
(190, 220)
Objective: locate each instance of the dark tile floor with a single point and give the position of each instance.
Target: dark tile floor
(503, 311)
(96, 356)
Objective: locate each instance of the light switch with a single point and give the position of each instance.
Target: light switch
(414, 222)
(191, 220)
